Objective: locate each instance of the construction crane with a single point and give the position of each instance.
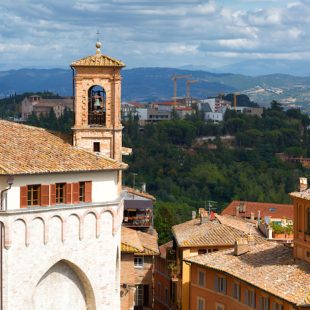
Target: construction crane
(174, 78)
(235, 101)
(188, 89)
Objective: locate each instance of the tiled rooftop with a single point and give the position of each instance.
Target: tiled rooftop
(98, 60)
(269, 266)
(163, 248)
(30, 150)
(304, 194)
(137, 242)
(238, 223)
(274, 210)
(210, 233)
(137, 192)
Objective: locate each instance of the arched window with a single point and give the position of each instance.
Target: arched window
(96, 106)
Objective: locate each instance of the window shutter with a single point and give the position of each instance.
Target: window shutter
(216, 286)
(224, 286)
(253, 300)
(246, 297)
(145, 295)
(75, 194)
(88, 191)
(53, 194)
(23, 197)
(260, 303)
(68, 193)
(45, 195)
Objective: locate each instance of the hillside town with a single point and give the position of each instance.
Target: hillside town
(73, 236)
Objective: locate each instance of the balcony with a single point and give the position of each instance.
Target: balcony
(138, 221)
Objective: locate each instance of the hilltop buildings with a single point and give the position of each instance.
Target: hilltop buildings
(206, 234)
(42, 106)
(253, 275)
(62, 204)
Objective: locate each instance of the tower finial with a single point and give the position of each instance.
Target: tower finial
(98, 44)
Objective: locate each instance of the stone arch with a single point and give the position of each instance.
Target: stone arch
(37, 231)
(97, 100)
(73, 230)
(63, 286)
(19, 233)
(56, 229)
(104, 222)
(90, 225)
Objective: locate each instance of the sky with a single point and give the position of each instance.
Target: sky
(162, 33)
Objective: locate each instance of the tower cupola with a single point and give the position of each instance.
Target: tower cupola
(97, 104)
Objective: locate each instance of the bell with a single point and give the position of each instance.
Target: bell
(97, 103)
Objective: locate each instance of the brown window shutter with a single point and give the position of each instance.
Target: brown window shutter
(53, 194)
(75, 196)
(88, 191)
(68, 193)
(45, 189)
(23, 197)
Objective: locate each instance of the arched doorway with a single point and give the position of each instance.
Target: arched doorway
(63, 287)
(96, 106)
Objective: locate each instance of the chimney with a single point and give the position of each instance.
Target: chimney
(241, 246)
(143, 188)
(251, 240)
(252, 216)
(193, 215)
(258, 217)
(203, 215)
(303, 184)
(237, 210)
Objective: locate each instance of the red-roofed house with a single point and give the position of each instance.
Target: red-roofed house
(256, 210)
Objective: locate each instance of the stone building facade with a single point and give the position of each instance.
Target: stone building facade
(61, 215)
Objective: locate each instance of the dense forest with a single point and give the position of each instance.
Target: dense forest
(188, 163)
(184, 174)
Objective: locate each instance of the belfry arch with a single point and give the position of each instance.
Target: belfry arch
(63, 287)
(96, 106)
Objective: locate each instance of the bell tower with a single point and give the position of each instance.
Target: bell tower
(97, 104)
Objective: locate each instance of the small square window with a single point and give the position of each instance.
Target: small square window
(138, 261)
(96, 147)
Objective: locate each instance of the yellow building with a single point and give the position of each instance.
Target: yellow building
(301, 202)
(195, 237)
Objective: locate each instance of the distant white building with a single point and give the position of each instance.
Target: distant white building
(213, 109)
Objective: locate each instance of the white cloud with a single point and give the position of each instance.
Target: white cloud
(54, 33)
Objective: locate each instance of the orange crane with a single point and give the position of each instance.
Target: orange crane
(188, 88)
(235, 101)
(174, 78)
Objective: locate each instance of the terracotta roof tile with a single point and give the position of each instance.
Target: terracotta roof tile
(274, 210)
(138, 242)
(98, 60)
(149, 243)
(238, 223)
(139, 193)
(130, 241)
(268, 266)
(30, 150)
(210, 233)
(163, 248)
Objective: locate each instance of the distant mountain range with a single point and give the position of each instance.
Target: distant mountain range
(150, 84)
